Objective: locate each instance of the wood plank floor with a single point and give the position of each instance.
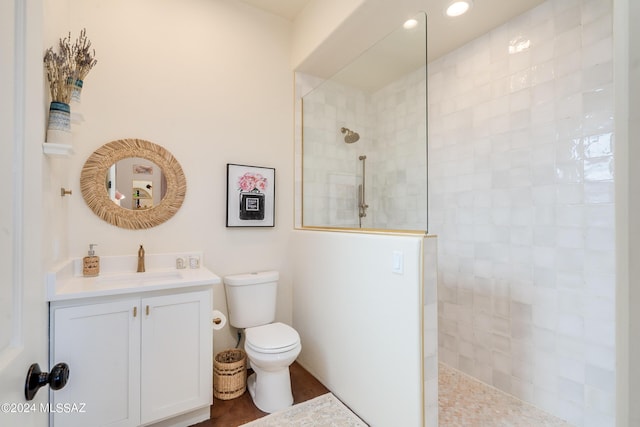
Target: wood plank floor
(235, 412)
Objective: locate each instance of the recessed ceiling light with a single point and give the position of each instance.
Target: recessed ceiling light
(458, 8)
(410, 23)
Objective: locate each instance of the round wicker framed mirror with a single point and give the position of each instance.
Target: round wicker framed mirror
(93, 184)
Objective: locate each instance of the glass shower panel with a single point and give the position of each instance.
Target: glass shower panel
(365, 140)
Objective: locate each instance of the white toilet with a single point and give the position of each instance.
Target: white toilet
(271, 347)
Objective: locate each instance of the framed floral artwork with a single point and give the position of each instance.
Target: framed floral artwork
(250, 196)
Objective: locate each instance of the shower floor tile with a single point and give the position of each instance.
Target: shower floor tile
(466, 402)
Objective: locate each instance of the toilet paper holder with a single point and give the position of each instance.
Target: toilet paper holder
(218, 319)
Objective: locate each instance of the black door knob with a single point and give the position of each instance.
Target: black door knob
(36, 378)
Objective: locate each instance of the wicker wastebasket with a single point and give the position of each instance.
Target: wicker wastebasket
(229, 374)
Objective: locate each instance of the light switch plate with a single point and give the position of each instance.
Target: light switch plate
(398, 262)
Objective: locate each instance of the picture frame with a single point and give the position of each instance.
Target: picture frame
(250, 196)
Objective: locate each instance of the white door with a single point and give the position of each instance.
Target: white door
(23, 311)
(176, 347)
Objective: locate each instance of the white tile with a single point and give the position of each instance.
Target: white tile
(569, 41)
(570, 237)
(571, 369)
(599, 401)
(574, 351)
(597, 76)
(571, 411)
(601, 379)
(598, 307)
(571, 325)
(601, 284)
(544, 318)
(543, 112)
(545, 400)
(568, 64)
(571, 390)
(522, 200)
(544, 237)
(598, 145)
(543, 72)
(599, 331)
(544, 257)
(598, 169)
(501, 362)
(519, 80)
(599, 192)
(521, 331)
(571, 302)
(600, 356)
(570, 215)
(594, 9)
(596, 419)
(570, 259)
(600, 239)
(597, 53)
(574, 194)
(522, 389)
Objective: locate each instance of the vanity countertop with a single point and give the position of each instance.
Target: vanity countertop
(118, 276)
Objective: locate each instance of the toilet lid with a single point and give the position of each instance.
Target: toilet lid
(272, 338)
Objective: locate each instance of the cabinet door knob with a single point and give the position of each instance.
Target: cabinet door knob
(147, 310)
(36, 378)
(135, 311)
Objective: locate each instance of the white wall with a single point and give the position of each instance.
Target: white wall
(367, 333)
(55, 169)
(627, 69)
(521, 197)
(211, 82)
(634, 210)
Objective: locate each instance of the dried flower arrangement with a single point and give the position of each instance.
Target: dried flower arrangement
(71, 63)
(84, 57)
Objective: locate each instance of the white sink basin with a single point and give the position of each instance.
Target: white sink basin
(146, 278)
(118, 277)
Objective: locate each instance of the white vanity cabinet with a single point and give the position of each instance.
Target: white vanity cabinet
(134, 359)
(176, 370)
(101, 344)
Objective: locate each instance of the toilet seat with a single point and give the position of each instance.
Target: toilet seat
(272, 338)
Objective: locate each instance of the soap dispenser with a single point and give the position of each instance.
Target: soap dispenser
(91, 263)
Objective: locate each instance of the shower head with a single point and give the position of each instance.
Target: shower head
(349, 136)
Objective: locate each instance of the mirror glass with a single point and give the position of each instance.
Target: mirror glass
(364, 133)
(133, 183)
(136, 183)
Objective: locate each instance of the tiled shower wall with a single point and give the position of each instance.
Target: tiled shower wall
(332, 168)
(392, 127)
(521, 197)
(398, 162)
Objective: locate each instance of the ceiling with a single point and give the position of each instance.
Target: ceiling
(444, 34)
(395, 54)
(287, 9)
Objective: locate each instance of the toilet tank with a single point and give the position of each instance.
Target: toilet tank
(251, 298)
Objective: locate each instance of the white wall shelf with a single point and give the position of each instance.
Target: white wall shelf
(54, 149)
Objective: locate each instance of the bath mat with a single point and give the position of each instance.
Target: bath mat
(322, 411)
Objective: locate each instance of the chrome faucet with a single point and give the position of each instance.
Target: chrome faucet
(141, 260)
